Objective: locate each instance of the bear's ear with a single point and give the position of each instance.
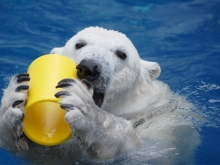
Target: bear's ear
(151, 70)
(56, 50)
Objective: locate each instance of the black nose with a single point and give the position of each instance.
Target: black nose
(87, 69)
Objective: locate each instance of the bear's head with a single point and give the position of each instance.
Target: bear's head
(110, 62)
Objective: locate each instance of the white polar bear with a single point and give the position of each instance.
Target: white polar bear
(117, 108)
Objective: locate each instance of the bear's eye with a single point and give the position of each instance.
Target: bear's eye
(80, 45)
(121, 54)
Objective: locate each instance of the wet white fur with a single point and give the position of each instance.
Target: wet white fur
(133, 97)
(9, 132)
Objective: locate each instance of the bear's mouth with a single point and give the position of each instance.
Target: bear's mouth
(89, 72)
(98, 98)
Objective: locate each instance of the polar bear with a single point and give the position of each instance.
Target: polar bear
(117, 107)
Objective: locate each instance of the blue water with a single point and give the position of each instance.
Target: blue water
(183, 36)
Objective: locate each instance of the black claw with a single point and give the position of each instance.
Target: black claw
(22, 75)
(22, 79)
(22, 87)
(63, 84)
(18, 102)
(67, 80)
(62, 93)
(67, 106)
(87, 83)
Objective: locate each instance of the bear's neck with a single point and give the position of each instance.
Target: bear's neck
(142, 98)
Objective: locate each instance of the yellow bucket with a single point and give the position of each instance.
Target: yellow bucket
(44, 121)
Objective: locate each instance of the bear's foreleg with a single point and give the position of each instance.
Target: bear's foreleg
(12, 113)
(101, 135)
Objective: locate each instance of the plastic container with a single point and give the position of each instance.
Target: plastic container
(44, 121)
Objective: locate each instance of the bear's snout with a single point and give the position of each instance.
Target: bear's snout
(87, 69)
